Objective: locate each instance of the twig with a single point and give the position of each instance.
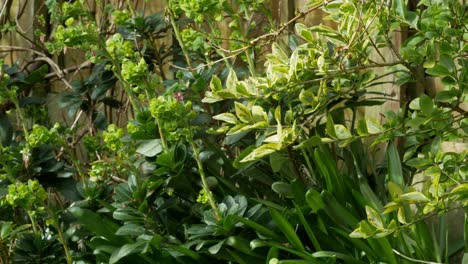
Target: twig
(42, 57)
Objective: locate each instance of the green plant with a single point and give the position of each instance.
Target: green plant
(178, 146)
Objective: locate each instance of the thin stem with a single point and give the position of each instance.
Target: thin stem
(201, 171)
(162, 136)
(33, 222)
(181, 43)
(62, 239)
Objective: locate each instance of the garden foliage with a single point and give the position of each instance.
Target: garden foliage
(193, 142)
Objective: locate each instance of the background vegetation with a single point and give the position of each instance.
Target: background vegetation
(211, 133)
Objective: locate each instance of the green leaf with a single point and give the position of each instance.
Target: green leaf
(130, 229)
(426, 105)
(262, 151)
(310, 142)
(314, 200)
(283, 189)
(304, 32)
(307, 97)
(438, 70)
(286, 229)
(150, 148)
(278, 52)
(97, 224)
(215, 84)
(243, 113)
(226, 117)
(414, 197)
(373, 127)
(258, 114)
(419, 163)
(374, 218)
(216, 247)
(331, 127)
(231, 82)
(395, 171)
(414, 104)
(125, 250)
(128, 214)
(342, 132)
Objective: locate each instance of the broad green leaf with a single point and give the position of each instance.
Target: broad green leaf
(438, 70)
(128, 214)
(258, 114)
(373, 127)
(262, 151)
(215, 84)
(361, 127)
(231, 82)
(283, 189)
(304, 32)
(419, 163)
(414, 104)
(460, 193)
(364, 230)
(426, 105)
(243, 113)
(342, 132)
(226, 117)
(97, 224)
(286, 229)
(374, 218)
(414, 197)
(216, 247)
(130, 229)
(310, 142)
(125, 250)
(278, 52)
(150, 148)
